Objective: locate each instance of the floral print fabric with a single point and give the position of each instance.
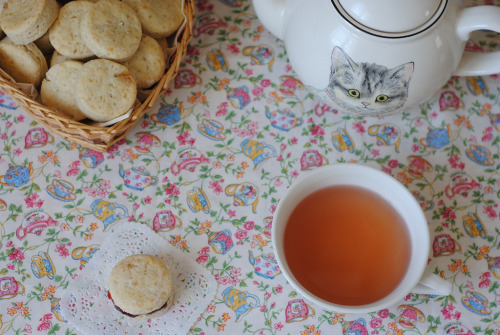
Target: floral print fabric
(207, 166)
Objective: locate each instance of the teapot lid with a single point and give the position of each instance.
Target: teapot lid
(391, 18)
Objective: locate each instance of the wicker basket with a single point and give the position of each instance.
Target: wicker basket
(94, 137)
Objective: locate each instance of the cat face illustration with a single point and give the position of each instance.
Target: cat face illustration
(367, 89)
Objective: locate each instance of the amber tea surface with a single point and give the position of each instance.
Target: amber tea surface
(347, 245)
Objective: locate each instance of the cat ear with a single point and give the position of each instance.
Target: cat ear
(403, 72)
(340, 59)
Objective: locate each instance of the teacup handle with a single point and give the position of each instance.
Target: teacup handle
(247, 51)
(256, 302)
(449, 191)
(175, 168)
(472, 19)
(3, 183)
(21, 232)
(154, 181)
(432, 284)
(78, 253)
(373, 130)
(123, 209)
(178, 222)
(271, 148)
(231, 189)
(154, 118)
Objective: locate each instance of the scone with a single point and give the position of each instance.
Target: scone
(43, 43)
(105, 90)
(112, 30)
(57, 58)
(148, 63)
(164, 47)
(159, 18)
(24, 21)
(24, 63)
(58, 89)
(65, 33)
(140, 286)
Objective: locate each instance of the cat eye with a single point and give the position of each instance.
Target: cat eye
(353, 93)
(382, 98)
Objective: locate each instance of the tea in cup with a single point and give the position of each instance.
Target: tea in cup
(365, 245)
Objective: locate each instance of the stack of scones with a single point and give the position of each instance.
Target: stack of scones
(88, 58)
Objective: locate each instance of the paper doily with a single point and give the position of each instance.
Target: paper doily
(86, 305)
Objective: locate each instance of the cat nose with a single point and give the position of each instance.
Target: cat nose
(365, 104)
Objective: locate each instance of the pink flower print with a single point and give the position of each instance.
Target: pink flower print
(250, 192)
(492, 214)
(278, 326)
(358, 126)
(484, 283)
(265, 82)
(172, 189)
(43, 326)
(235, 272)
(317, 131)
(45, 322)
(393, 163)
(241, 234)
(202, 258)
(214, 185)
(258, 91)
(249, 225)
(221, 112)
(33, 201)
(450, 313)
(383, 313)
(448, 213)
(376, 323)
(272, 209)
(16, 255)
(233, 48)
(184, 139)
(456, 163)
(62, 250)
(487, 134)
(485, 275)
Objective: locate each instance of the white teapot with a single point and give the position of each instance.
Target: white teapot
(374, 58)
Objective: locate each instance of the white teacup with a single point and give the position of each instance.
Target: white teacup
(417, 279)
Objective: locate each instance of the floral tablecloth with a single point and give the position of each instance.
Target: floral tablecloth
(207, 166)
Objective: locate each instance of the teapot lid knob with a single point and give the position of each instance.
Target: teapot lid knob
(391, 17)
